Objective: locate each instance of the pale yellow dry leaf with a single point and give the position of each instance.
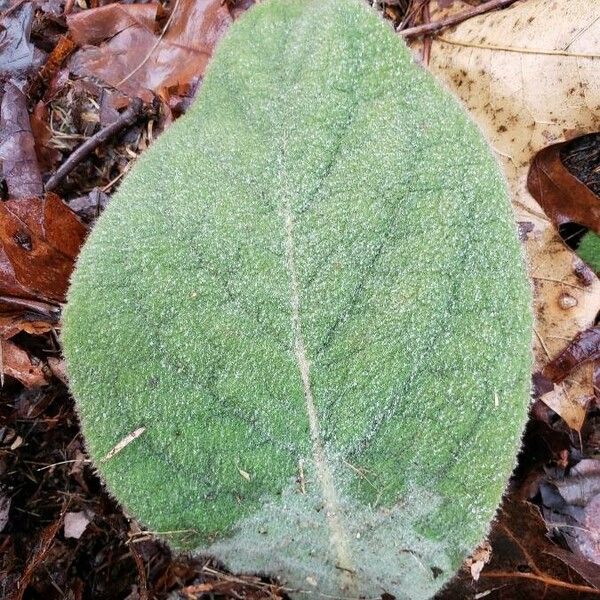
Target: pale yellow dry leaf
(529, 76)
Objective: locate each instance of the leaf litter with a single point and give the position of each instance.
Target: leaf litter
(19, 57)
(39, 442)
(17, 146)
(124, 46)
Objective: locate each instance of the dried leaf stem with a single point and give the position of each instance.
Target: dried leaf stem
(427, 28)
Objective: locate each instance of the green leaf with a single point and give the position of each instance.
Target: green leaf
(308, 302)
(589, 250)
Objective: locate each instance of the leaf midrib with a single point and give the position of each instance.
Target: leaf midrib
(337, 532)
(338, 536)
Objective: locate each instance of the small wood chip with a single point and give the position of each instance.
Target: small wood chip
(75, 523)
(124, 442)
(245, 474)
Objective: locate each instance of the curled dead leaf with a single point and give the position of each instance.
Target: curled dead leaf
(479, 559)
(562, 196)
(22, 314)
(52, 66)
(48, 157)
(584, 347)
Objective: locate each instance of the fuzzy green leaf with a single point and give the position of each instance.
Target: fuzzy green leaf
(589, 250)
(310, 294)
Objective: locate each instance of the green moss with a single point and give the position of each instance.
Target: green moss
(311, 279)
(589, 250)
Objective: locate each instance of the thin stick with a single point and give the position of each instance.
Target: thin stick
(426, 15)
(577, 287)
(126, 119)
(518, 50)
(47, 311)
(427, 28)
(141, 569)
(546, 580)
(541, 340)
(65, 462)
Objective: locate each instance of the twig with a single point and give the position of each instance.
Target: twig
(141, 569)
(126, 119)
(411, 14)
(426, 16)
(38, 310)
(546, 580)
(519, 50)
(541, 340)
(455, 19)
(64, 462)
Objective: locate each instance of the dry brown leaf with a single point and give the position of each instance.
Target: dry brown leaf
(584, 347)
(19, 365)
(39, 241)
(93, 26)
(571, 504)
(529, 78)
(136, 59)
(17, 146)
(18, 56)
(89, 207)
(58, 369)
(564, 198)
